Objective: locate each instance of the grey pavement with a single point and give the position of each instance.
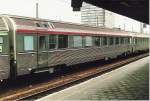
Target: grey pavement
(130, 82)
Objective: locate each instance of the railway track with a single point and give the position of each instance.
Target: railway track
(67, 79)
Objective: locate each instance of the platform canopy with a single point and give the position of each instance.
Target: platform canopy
(135, 9)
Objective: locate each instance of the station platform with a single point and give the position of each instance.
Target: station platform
(130, 82)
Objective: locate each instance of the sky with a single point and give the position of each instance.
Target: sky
(57, 10)
(129, 24)
(49, 9)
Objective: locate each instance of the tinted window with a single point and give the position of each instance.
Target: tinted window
(111, 41)
(126, 40)
(117, 41)
(62, 41)
(104, 41)
(28, 43)
(96, 41)
(122, 40)
(52, 41)
(136, 40)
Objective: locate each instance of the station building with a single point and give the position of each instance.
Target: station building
(95, 16)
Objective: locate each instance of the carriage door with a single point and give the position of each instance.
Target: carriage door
(42, 57)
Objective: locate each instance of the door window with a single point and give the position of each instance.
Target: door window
(42, 42)
(28, 43)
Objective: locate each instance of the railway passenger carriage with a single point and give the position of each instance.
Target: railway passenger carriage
(36, 45)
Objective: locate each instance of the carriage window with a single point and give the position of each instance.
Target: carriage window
(28, 43)
(146, 40)
(62, 41)
(125, 40)
(143, 40)
(52, 41)
(111, 41)
(117, 41)
(42, 42)
(128, 40)
(4, 45)
(75, 41)
(136, 40)
(122, 40)
(96, 41)
(104, 41)
(1, 40)
(88, 41)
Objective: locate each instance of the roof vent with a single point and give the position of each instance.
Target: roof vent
(37, 24)
(45, 25)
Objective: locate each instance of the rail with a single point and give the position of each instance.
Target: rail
(69, 79)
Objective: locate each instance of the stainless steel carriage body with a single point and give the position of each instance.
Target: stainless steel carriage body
(40, 60)
(140, 42)
(29, 45)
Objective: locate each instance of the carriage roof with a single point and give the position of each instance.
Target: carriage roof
(45, 25)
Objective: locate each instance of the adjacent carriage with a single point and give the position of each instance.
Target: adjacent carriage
(29, 45)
